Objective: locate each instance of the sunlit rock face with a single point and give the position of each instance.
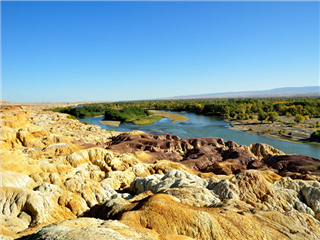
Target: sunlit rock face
(61, 179)
(216, 155)
(161, 216)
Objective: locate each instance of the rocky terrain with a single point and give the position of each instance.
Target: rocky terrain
(61, 179)
(285, 128)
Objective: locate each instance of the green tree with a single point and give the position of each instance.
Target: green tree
(232, 114)
(272, 116)
(262, 116)
(241, 116)
(315, 136)
(298, 118)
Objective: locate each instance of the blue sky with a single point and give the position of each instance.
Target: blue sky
(108, 51)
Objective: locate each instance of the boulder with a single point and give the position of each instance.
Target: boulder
(312, 196)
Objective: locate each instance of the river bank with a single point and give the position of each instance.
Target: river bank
(284, 129)
(203, 126)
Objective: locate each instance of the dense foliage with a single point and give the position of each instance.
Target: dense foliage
(238, 108)
(267, 109)
(85, 111)
(299, 118)
(126, 114)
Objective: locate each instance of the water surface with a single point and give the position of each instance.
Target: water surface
(210, 126)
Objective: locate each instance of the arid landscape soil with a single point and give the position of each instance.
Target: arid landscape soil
(62, 179)
(284, 129)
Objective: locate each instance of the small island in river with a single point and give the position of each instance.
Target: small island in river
(173, 117)
(138, 116)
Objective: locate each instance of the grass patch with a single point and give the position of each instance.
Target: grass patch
(173, 117)
(147, 120)
(71, 117)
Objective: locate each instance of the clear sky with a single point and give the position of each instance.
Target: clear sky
(104, 51)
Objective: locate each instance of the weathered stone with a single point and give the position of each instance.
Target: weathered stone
(14, 179)
(89, 228)
(261, 150)
(312, 196)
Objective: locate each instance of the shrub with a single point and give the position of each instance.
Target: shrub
(315, 136)
(71, 117)
(241, 116)
(262, 116)
(233, 114)
(272, 116)
(299, 118)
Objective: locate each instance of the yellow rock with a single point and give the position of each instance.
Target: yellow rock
(17, 161)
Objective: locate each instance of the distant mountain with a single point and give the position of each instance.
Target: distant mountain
(276, 92)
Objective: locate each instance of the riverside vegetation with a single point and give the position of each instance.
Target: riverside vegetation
(61, 179)
(134, 115)
(239, 111)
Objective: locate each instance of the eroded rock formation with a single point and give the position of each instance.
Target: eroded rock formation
(61, 179)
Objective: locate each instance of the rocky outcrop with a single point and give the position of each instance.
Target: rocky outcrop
(214, 154)
(91, 228)
(89, 183)
(248, 186)
(203, 154)
(185, 187)
(262, 150)
(294, 164)
(169, 219)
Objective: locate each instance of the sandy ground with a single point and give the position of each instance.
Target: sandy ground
(280, 130)
(110, 123)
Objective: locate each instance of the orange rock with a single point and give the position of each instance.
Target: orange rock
(234, 220)
(40, 134)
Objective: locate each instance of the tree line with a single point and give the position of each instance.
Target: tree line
(266, 109)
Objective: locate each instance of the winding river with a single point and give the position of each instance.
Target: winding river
(210, 126)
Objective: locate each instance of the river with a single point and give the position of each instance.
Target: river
(210, 126)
